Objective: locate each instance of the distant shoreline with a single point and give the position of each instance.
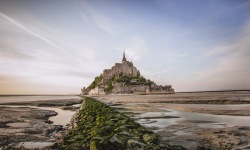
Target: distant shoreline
(245, 91)
(217, 91)
(36, 98)
(38, 95)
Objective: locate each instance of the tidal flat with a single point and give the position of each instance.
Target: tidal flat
(37, 123)
(194, 121)
(216, 121)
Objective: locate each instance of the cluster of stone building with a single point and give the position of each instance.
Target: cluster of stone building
(125, 68)
(122, 88)
(98, 90)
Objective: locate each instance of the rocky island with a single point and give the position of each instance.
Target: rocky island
(124, 78)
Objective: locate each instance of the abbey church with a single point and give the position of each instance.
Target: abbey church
(125, 68)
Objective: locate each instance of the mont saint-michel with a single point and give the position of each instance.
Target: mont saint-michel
(124, 78)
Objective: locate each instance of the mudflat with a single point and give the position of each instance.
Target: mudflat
(194, 121)
(28, 125)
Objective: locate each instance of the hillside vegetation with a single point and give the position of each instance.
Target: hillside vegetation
(128, 80)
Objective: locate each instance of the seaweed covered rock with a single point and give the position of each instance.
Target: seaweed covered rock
(100, 127)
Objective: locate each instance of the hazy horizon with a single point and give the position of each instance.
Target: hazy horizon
(57, 47)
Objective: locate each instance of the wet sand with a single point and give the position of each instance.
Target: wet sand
(205, 128)
(31, 127)
(24, 126)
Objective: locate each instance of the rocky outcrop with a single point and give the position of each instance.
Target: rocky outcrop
(27, 128)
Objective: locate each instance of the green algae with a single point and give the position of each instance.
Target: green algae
(101, 127)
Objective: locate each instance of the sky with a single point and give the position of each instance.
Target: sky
(59, 46)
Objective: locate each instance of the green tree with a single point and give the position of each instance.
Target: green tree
(96, 82)
(117, 79)
(110, 86)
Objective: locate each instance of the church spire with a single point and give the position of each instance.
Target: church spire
(124, 57)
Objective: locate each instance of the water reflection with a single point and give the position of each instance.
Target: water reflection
(63, 117)
(212, 121)
(8, 99)
(224, 119)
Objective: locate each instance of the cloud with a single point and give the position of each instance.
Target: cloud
(135, 48)
(39, 50)
(32, 64)
(174, 56)
(32, 33)
(233, 57)
(231, 68)
(6, 53)
(100, 20)
(13, 85)
(103, 22)
(160, 72)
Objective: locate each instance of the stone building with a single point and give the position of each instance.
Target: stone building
(161, 89)
(84, 91)
(125, 68)
(122, 88)
(98, 90)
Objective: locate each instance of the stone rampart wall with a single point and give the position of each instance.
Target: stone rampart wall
(123, 88)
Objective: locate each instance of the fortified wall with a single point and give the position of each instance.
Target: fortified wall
(122, 88)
